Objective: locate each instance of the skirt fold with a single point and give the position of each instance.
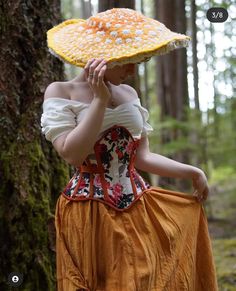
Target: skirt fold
(161, 243)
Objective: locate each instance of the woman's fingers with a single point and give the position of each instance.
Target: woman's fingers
(201, 196)
(201, 187)
(99, 72)
(86, 68)
(205, 193)
(96, 69)
(101, 75)
(92, 67)
(93, 70)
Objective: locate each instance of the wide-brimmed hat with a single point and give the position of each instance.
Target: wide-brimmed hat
(119, 36)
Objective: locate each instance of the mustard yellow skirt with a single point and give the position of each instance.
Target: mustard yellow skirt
(161, 243)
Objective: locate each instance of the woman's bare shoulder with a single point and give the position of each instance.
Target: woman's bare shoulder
(58, 90)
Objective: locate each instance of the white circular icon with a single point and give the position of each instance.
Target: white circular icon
(15, 279)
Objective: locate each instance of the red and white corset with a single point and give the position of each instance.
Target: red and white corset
(109, 175)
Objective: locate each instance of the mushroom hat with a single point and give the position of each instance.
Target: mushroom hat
(118, 35)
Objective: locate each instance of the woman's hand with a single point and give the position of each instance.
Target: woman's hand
(200, 185)
(94, 72)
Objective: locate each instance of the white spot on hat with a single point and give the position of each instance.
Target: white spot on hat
(100, 32)
(119, 40)
(108, 40)
(139, 32)
(113, 33)
(128, 40)
(126, 31)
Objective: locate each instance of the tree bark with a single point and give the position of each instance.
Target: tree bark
(32, 175)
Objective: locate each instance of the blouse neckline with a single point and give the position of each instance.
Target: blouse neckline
(87, 104)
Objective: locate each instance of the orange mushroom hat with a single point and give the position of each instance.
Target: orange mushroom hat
(119, 35)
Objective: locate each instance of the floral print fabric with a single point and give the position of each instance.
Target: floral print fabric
(109, 176)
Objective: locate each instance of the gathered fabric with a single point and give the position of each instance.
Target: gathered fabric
(161, 243)
(60, 115)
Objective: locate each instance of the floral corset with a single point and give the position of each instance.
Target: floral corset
(109, 175)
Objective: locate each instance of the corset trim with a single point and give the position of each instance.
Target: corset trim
(105, 202)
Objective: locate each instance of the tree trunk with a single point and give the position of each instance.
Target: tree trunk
(172, 79)
(194, 57)
(195, 135)
(32, 175)
(109, 4)
(145, 67)
(86, 9)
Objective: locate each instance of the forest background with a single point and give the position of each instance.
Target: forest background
(190, 94)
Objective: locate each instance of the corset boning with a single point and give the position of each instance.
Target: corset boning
(109, 175)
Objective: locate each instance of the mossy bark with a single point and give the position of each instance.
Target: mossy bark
(32, 175)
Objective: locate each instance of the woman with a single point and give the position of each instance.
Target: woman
(114, 231)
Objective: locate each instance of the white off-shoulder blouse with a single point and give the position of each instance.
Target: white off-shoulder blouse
(60, 115)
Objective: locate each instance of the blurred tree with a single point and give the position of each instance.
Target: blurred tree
(86, 8)
(172, 81)
(32, 175)
(69, 11)
(218, 135)
(194, 52)
(109, 4)
(145, 67)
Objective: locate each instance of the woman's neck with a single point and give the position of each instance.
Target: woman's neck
(79, 78)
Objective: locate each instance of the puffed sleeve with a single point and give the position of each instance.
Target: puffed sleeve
(57, 118)
(147, 128)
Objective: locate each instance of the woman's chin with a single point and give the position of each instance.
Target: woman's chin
(116, 83)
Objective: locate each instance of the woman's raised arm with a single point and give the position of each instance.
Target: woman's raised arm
(75, 145)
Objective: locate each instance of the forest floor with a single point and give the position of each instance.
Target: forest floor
(221, 212)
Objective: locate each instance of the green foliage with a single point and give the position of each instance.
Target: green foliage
(224, 251)
(178, 133)
(222, 205)
(154, 118)
(221, 174)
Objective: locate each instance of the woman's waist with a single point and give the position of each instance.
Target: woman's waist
(118, 188)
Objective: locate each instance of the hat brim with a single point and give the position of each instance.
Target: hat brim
(67, 42)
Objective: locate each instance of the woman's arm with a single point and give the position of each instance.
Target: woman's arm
(162, 166)
(75, 145)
